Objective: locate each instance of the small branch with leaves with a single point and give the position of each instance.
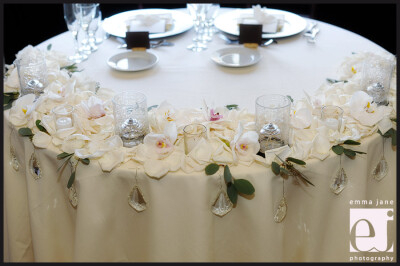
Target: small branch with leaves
(332, 81)
(339, 149)
(9, 98)
(71, 68)
(286, 168)
(234, 187)
(67, 157)
(391, 133)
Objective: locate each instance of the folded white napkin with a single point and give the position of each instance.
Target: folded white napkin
(271, 23)
(153, 23)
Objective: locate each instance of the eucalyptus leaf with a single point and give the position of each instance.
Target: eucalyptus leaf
(151, 107)
(275, 168)
(63, 155)
(40, 127)
(349, 153)
(351, 142)
(212, 168)
(290, 98)
(227, 174)
(71, 179)
(360, 152)
(232, 193)
(7, 106)
(244, 186)
(337, 149)
(26, 132)
(393, 119)
(284, 171)
(296, 161)
(85, 161)
(335, 80)
(226, 142)
(232, 106)
(394, 136)
(49, 47)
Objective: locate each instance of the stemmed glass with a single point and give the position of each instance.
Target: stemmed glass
(93, 27)
(73, 26)
(198, 13)
(85, 13)
(209, 24)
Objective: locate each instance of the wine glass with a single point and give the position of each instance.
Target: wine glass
(85, 13)
(209, 23)
(73, 26)
(198, 13)
(93, 27)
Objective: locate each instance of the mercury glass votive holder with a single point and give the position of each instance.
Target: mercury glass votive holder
(63, 116)
(192, 134)
(272, 121)
(376, 78)
(130, 116)
(32, 74)
(331, 116)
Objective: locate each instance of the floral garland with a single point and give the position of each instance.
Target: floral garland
(231, 135)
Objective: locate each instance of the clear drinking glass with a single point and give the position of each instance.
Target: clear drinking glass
(209, 23)
(85, 13)
(376, 78)
(192, 134)
(272, 121)
(74, 27)
(32, 74)
(198, 13)
(331, 116)
(93, 27)
(63, 116)
(130, 116)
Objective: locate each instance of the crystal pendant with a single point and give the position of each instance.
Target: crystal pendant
(73, 196)
(13, 160)
(35, 167)
(136, 199)
(222, 204)
(380, 169)
(339, 181)
(280, 213)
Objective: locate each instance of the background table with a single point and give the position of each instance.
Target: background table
(41, 225)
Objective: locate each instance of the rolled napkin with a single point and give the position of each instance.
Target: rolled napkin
(153, 23)
(271, 23)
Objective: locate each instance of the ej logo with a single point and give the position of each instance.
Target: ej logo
(369, 230)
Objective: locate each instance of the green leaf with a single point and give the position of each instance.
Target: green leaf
(335, 80)
(275, 168)
(71, 179)
(350, 153)
(151, 107)
(244, 186)
(8, 106)
(393, 119)
(290, 98)
(351, 142)
(212, 168)
(26, 132)
(360, 152)
(232, 193)
(63, 155)
(226, 142)
(6, 99)
(394, 135)
(284, 171)
(85, 161)
(294, 160)
(49, 47)
(40, 127)
(227, 174)
(337, 149)
(232, 106)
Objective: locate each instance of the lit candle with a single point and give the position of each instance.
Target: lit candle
(63, 122)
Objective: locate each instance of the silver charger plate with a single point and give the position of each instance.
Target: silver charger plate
(115, 25)
(236, 57)
(293, 24)
(132, 61)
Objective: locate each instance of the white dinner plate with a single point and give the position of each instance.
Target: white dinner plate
(236, 57)
(116, 25)
(132, 61)
(293, 24)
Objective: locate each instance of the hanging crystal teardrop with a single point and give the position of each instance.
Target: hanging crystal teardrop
(222, 204)
(35, 167)
(13, 159)
(339, 181)
(380, 170)
(280, 213)
(73, 196)
(136, 199)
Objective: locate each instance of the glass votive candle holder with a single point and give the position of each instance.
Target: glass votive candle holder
(331, 116)
(130, 116)
(376, 78)
(192, 134)
(32, 74)
(63, 116)
(272, 121)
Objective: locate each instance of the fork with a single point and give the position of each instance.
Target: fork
(311, 38)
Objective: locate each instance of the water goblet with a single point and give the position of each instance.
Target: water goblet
(93, 27)
(272, 121)
(85, 13)
(198, 13)
(130, 115)
(74, 27)
(209, 23)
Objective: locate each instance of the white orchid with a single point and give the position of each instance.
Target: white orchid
(21, 112)
(159, 146)
(244, 145)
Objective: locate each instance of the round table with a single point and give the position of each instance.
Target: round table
(178, 225)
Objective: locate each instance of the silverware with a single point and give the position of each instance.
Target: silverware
(233, 40)
(309, 29)
(312, 36)
(153, 44)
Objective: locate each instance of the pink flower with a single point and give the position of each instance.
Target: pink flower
(215, 116)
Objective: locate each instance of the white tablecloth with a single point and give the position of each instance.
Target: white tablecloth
(178, 225)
